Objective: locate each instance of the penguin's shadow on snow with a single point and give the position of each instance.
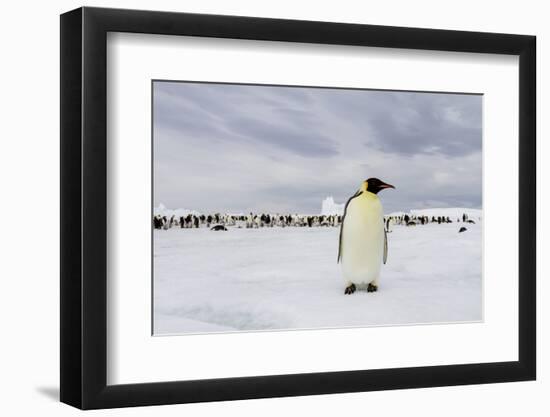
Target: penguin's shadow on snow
(50, 392)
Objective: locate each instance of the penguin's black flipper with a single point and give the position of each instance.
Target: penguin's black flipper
(385, 247)
(357, 194)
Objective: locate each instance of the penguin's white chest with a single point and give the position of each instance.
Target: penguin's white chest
(363, 240)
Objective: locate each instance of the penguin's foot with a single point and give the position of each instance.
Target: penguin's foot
(350, 289)
(372, 288)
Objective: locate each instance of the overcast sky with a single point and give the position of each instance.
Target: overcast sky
(241, 148)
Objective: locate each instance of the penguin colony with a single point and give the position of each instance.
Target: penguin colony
(250, 221)
(254, 221)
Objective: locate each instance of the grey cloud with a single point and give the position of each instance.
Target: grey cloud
(409, 122)
(237, 147)
(305, 142)
(437, 125)
(198, 110)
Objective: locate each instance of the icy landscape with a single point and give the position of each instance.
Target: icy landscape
(261, 174)
(287, 278)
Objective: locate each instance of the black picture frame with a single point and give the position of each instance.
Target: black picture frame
(84, 207)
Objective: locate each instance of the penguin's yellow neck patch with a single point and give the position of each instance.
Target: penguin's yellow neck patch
(365, 190)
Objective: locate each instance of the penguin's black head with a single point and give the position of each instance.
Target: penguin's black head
(374, 185)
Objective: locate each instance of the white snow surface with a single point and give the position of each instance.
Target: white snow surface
(288, 278)
(328, 207)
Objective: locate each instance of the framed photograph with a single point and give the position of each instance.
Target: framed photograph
(256, 208)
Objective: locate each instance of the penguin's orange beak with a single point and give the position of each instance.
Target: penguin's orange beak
(385, 185)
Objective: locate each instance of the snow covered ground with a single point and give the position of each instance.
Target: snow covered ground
(287, 278)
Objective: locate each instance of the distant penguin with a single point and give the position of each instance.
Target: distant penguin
(218, 228)
(363, 242)
(462, 229)
(157, 222)
(388, 222)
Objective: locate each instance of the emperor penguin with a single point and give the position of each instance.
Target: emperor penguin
(363, 242)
